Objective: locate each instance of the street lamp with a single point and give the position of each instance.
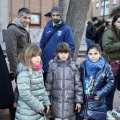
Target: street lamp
(103, 9)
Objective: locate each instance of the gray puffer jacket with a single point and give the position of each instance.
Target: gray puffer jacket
(32, 94)
(64, 87)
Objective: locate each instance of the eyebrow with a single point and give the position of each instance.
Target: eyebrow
(55, 14)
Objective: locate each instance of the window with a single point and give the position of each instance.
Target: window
(107, 5)
(97, 5)
(114, 4)
(35, 19)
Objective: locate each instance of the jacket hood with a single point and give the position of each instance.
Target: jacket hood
(16, 22)
(89, 21)
(21, 67)
(70, 62)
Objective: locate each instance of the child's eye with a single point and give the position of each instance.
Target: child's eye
(90, 53)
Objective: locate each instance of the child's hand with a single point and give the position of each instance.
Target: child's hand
(14, 105)
(42, 110)
(47, 109)
(96, 97)
(78, 107)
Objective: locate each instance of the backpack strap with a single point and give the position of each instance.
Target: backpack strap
(54, 32)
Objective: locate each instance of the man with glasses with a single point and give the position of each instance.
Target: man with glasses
(62, 32)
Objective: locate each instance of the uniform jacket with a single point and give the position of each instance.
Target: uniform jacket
(91, 31)
(6, 91)
(64, 34)
(104, 81)
(111, 44)
(64, 87)
(32, 94)
(16, 37)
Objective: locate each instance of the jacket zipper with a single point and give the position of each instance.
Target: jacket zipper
(63, 86)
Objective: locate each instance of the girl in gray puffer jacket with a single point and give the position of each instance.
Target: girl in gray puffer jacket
(63, 84)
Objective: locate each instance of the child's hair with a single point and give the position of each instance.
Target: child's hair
(94, 45)
(28, 52)
(62, 47)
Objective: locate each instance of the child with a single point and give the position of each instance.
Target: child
(63, 84)
(98, 80)
(33, 97)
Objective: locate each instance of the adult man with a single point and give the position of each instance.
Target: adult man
(16, 38)
(49, 45)
(91, 31)
(48, 17)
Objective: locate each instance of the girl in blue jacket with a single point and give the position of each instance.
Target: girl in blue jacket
(33, 97)
(97, 79)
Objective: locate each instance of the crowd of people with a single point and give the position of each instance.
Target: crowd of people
(48, 80)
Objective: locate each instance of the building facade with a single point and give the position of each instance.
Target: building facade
(102, 8)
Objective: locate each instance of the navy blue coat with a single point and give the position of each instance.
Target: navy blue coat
(104, 81)
(91, 31)
(64, 34)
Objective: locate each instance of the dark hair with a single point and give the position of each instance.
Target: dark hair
(115, 19)
(99, 23)
(94, 19)
(23, 10)
(107, 23)
(94, 45)
(101, 28)
(63, 47)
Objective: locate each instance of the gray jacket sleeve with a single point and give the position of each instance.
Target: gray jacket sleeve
(78, 88)
(49, 81)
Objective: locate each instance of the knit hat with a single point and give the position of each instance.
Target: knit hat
(57, 9)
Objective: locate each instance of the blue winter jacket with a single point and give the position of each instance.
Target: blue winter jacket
(104, 81)
(64, 34)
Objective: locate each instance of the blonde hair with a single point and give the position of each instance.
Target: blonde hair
(28, 52)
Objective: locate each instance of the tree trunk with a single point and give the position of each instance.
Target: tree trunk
(62, 4)
(76, 17)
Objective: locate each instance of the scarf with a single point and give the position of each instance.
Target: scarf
(18, 23)
(37, 67)
(91, 67)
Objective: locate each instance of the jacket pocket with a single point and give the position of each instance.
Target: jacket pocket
(96, 105)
